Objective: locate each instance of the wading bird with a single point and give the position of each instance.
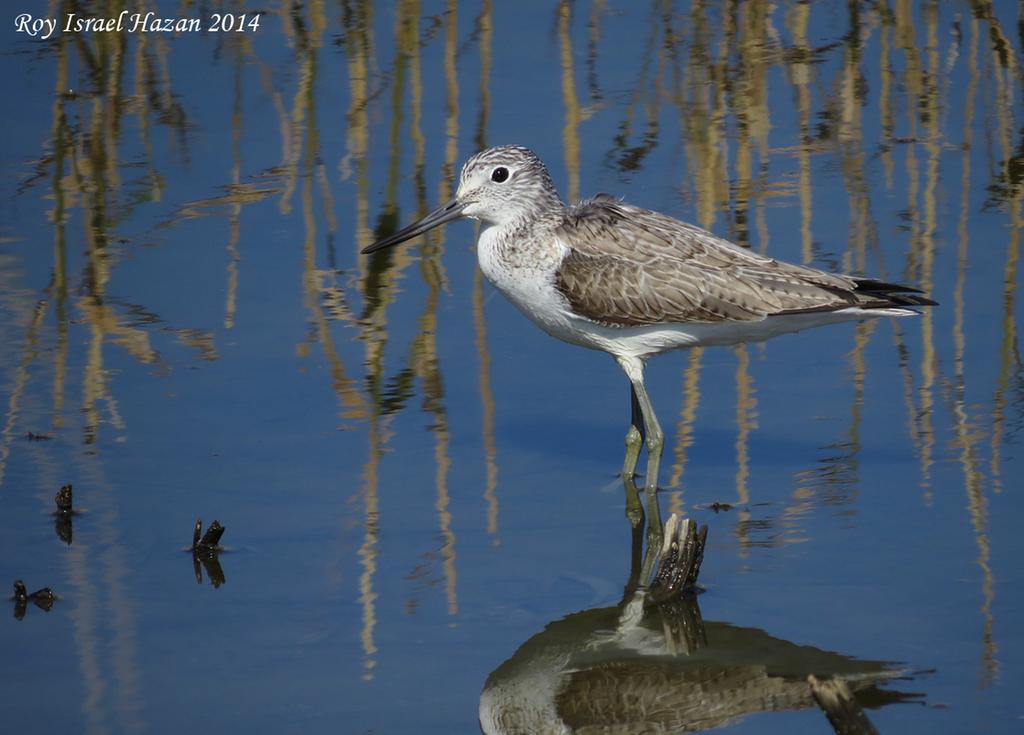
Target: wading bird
(634, 283)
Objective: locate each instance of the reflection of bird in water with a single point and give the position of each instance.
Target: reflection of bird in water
(610, 670)
(634, 283)
(651, 664)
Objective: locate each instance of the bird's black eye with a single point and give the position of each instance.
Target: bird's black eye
(499, 174)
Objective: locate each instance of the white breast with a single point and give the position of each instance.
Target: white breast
(525, 275)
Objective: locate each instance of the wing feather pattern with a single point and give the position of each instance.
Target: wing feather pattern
(628, 266)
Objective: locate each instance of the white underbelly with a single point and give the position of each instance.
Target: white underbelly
(646, 341)
(643, 342)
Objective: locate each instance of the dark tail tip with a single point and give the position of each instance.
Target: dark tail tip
(895, 294)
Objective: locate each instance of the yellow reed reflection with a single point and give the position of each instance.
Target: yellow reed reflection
(485, 23)
(746, 422)
(685, 427)
(571, 133)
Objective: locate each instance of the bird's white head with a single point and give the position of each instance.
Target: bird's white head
(500, 185)
(506, 183)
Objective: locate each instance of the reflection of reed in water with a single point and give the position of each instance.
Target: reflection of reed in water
(685, 426)
(451, 123)
(375, 291)
(20, 380)
(487, 406)
(836, 477)
(322, 294)
(967, 434)
(746, 422)
(800, 74)
(379, 283)
(1009, 191)
(924, 252)
(322, 297)
(235, 219)
(485, 24)
(646, 95)
(571, 133)
(424, 350)
(702, 118)
(835, 480)
(85, 176)
(751, 111)
(597, 9)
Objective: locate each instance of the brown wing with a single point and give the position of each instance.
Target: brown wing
(629, 266)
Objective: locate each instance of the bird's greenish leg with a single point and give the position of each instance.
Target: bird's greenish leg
(655, 440)
(653, 436)
(635, 435)
(655, 536)
(634, 508)
(634, 442)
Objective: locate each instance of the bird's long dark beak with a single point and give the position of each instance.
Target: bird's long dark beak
(445, 213)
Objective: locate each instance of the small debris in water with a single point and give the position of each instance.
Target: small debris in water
(42, 598)
(34, 437)
(64, 500)
(205, 550)
(62, 524)
(210, 539)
